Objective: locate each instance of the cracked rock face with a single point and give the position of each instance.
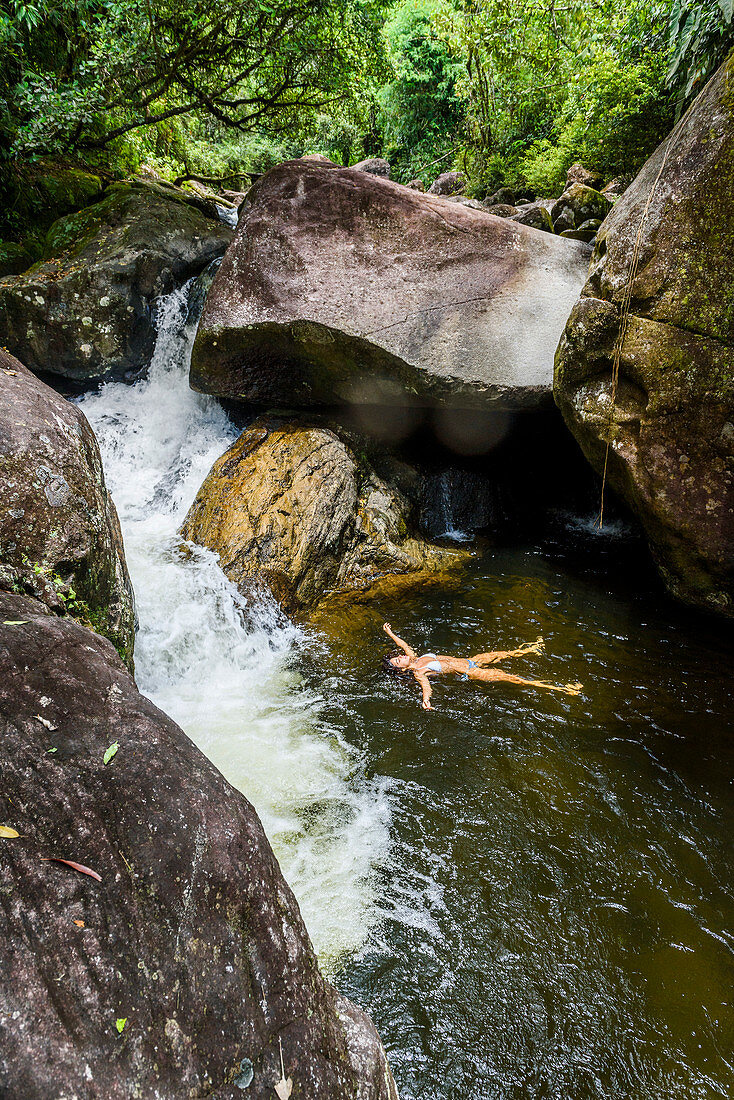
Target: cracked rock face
(671, 427)
(341, 287)
(87, 310)
(289, 505)
(60, 537)
(181, 972)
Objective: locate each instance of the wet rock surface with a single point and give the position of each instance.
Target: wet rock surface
(342, 287)
(59, 533)
(289, 505)
(182, 971)
(671, 425)
(87, 310)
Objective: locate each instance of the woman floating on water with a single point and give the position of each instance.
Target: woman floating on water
(468, 668)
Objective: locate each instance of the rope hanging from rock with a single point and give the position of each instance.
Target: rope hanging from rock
(623, 326)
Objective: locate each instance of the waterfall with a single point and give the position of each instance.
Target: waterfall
(226, 669)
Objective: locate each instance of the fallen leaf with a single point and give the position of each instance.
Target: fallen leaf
(8, 833)
(283, 1088)
(79, 923)
(15, 622)
(76, 866)
(120, 1024)
(11, 372)
(110, 752)
(46, 723)
(52, 750)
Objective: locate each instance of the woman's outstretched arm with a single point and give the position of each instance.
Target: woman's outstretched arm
(399, 641)
(426, 688)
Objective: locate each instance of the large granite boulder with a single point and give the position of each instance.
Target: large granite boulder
(578, 203)
(59, 533)
(86, 311)
(184, 968)
(671, 426)
(344, 287)
(289, 505)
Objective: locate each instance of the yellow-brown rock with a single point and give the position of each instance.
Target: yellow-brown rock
(289, 505)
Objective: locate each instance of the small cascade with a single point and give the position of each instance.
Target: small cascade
(226, 669)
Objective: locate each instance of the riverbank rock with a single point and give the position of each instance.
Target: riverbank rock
(376, 166)
(341, 287)
(87, 311)
(289, 505)
(536, 215)
(185, 966)
(59, 534)
(577, 173)
(577, 204)
(671, 426)
(448, 183)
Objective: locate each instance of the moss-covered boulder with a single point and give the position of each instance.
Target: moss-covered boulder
(578, 203)
(15, 258)
(59, 533)
(32, 196)
(288, 504)
(670, 424)
(86, 311)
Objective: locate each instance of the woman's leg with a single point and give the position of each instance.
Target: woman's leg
(497, 675)
(492, 658)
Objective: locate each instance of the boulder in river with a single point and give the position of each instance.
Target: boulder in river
(671, 423)
(341, 287)
(376, 166)
(181, 965)
(289, 505)
(536, 215)
(86, 311)
(59, 533)
(582, 203)
(448, 183)
(577, 173)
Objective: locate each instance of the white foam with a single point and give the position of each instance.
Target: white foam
(222, 668)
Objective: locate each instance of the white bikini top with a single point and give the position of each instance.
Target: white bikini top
(434, 665)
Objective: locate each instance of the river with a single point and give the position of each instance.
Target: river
(531, 894)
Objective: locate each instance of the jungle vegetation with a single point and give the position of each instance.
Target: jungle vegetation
(511, 91)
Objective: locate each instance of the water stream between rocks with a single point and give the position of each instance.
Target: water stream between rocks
(531, 894)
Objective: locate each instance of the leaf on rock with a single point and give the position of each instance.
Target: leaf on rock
(79, 923)
(76, 866)
(284, 1088)
(8, 833)
(45, 722)
(15, 622)
(120, 1024)
(110, 752)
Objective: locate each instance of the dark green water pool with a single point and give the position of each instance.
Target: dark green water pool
(556, 914)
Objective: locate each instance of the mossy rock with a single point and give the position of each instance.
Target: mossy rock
(36, 195)
(15, 258)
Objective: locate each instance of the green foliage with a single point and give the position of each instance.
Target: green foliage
(421, 111)
(79, 74)
(701, 34)
(547, 85)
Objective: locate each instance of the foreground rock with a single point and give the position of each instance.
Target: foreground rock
(672, 424)
(182, 971)
(288, 505)
(59, 533)
(343, 287)
(87, 311)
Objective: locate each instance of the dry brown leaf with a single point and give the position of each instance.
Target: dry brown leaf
(283, 1088)
(8, 833)
(76, 866)
(46, 723)
(11, 372)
